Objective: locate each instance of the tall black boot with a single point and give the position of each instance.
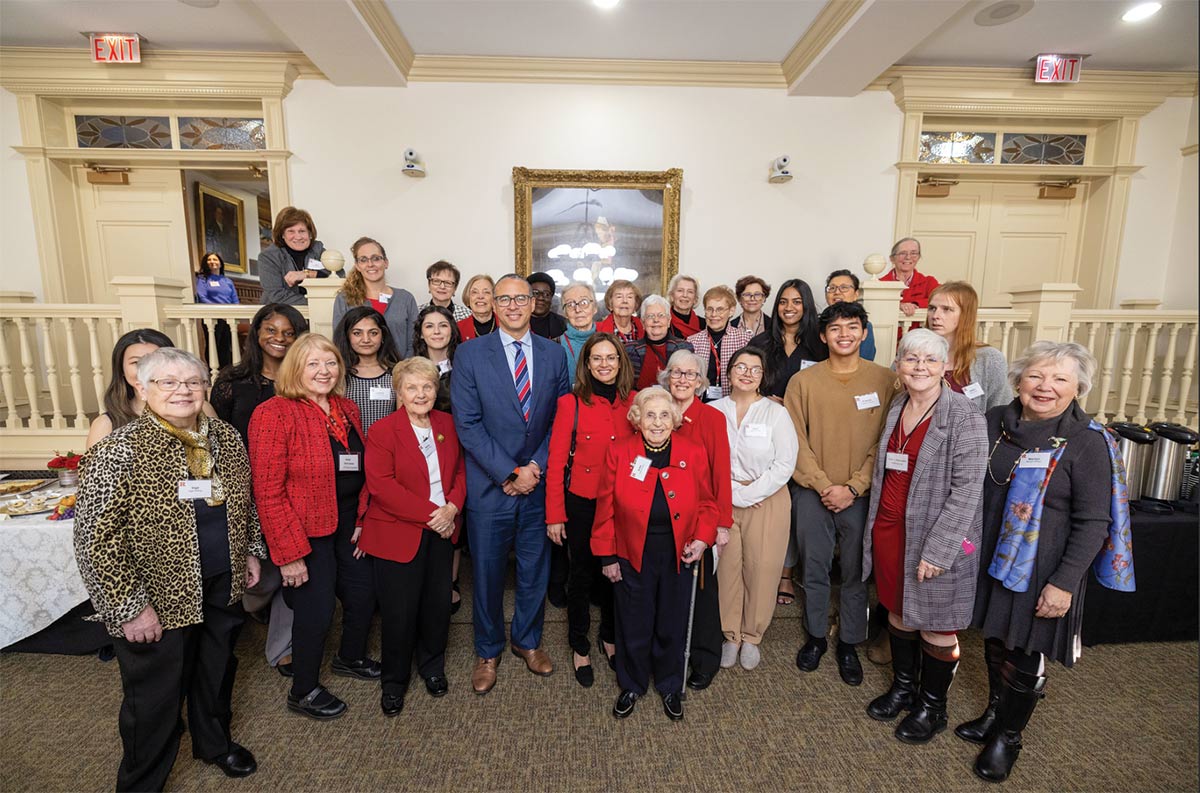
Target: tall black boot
(928, 718)
(978, 730)
(1018, 697)
(906, 669)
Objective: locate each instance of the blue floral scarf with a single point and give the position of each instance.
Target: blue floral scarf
(1016, 550)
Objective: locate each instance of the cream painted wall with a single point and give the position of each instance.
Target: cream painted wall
(19, 264)
(347, 169)
(1183, 266)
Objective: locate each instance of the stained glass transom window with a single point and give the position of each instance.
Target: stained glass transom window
(976, 148)
(123, 132)
(1022, 148)
(221, 133)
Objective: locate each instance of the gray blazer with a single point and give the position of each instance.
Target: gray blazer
(272, 264)
(944, 511)
(401, 317)
(990, 370)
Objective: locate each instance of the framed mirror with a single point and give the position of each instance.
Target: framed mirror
(598, 226)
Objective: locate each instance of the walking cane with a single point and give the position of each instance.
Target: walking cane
(687, 647)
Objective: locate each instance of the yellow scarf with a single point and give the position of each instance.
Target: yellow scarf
(200, 461)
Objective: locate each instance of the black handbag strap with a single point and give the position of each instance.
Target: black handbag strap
(571, 453)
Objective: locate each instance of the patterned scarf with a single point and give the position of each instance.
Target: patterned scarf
(335, 421)
(200, 461)
(1016, 549)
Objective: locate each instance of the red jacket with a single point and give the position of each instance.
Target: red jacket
(600, 425)
(294, 475)
(705, 425)
(398, 480)
(623, 503)
(609, 325)
(466, 330)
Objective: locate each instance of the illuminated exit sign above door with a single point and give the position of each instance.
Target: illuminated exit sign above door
(116, 48)
(1058, 68)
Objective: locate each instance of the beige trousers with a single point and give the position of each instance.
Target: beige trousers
(749, 566)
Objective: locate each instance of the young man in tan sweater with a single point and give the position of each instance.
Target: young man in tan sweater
(839, 407)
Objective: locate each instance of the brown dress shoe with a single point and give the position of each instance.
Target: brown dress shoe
(484, 676)
(536, 659)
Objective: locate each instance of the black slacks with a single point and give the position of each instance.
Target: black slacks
(332, 572)
(706, 626)
(414, 599)
(652, 614)
(224, 339)
(195, 663)
(584, 578)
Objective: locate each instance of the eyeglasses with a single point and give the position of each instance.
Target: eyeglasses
(171, 384)
(540, 295)
(505, 300)
(678, 374)
(907, 255)
(742, 368)
(582, 303)
(603, 359)
(441, 282)
(913, 361)
(717, 309)
(376, 259)
(752, 295)
(844, 289)
(654, 317)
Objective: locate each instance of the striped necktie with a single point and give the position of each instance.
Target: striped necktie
(521, 379)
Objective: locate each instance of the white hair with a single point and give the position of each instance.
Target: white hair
(923, 342)
(679, 358)
(1039, 351)
(649, 395)
(164, 357)
(655, 300)
(580, 285)
(681, 277)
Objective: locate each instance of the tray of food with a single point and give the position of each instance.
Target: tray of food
(17, 487)
(31, 504)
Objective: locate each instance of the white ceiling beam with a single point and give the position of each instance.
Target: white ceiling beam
(852, 42)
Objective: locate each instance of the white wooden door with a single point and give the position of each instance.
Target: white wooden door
(954, 232)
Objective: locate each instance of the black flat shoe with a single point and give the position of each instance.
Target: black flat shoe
(849, 667)
(612, 659)
(624, 704)
(437, 685)
(237, 762)
(363, 669)
(391, 704)
(673, 706)
(455, 605)
(319, 704)
(585, 676)
(698, 681)
(284, 669)
(809, 657)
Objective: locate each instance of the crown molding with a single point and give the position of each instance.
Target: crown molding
(483, 69)
(162, 158)
(830, 22)
(383, 26)
(1015, 173)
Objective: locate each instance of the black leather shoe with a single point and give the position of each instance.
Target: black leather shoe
(284, 669)
(624, 704)
(455, 605)
(698, 681)
(363, 669)
(585, 676)
(557, 595)
(391, 704)
(673, 706)
(849, 667)
(237, 762)
(437, 685)
(318, 704)
(809, 657)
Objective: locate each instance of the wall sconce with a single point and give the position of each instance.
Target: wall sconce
(779, 170)
(413, 166)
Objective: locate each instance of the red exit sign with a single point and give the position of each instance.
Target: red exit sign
(116, 48)
(1058, 68)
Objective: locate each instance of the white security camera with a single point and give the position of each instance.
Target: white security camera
(412, 164)
(779, 170)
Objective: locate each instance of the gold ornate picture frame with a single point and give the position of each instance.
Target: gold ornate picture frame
(581, 226)
(220, 226)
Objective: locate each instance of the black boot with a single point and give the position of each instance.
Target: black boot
(928, 718)
(978, 730)
(906, 669)
(1019, 695)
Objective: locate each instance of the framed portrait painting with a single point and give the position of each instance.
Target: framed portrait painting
(597, 227)
(221, 220)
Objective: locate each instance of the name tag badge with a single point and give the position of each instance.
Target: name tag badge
(758, 431)
(1035, 460)
(380, 392)
(896, 461)
(640, 467)
(444, 366)
(214, 284)
(866, 401)
(314, 264)
(385, 299)
(805, 364)
(348, 462)
(195, 488)
(713, 392)
(973, 390)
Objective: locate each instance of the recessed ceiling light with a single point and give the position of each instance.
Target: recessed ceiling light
(1003, 12)
(1141, 11)
(605, 4)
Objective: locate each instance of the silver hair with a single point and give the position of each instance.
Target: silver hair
(514, 277)
(903, 240)
(655, 300)
(580, 285)
(648, 394)
(681, 277)
(678, 358)
(923, 342)
(150, 365)
(1085, 362)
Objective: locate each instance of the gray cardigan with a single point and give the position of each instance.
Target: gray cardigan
(990, 370)
(944, 511)
(272, 264)
(401, 316)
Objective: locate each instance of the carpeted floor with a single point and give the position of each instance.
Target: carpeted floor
(1125, 719)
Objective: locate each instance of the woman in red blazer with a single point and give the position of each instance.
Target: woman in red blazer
(703, 424)
(654, 508)
(478, 296)
(306, 453)
(589, 420)
(416, 474)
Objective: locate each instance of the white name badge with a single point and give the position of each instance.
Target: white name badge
(314, 264)
(713, 392)
(1035, 460)
(195, 488)
(805, 364)
(380, 392)
(758, 431)
(896, 461)
(214, 284)
(443, 366)
(640, 467)
(348, 462)
(866, 401)
(973, 390)
(385, 299)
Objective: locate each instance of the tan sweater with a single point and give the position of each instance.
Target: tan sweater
(837, 440)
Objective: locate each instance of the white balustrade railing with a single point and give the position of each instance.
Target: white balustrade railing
(998, 327)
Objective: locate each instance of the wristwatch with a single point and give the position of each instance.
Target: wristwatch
(852, 490)
(512, 477)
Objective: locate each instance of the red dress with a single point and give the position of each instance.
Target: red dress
(887, 542)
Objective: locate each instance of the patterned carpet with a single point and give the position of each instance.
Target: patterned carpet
(1124, 719)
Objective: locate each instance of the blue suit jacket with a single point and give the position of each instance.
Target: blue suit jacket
(488, 417)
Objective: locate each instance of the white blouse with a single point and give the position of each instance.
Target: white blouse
(762, 451)
(429, 449)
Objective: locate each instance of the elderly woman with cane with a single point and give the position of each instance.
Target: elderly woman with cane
(654, 508)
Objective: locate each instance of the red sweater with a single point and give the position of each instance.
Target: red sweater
(623, 503)
(398, 480)
(918, 289)
(294, 474)
(600, 425)
(609, 325)
(705, 425)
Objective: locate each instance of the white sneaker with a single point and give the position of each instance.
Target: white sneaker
(750, 656)
(729, 654)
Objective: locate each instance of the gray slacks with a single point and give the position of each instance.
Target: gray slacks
(269, 589)
(817, 530)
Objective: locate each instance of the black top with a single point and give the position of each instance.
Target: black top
(604, 390)
(550, 326)
(782, 369)
(235, 400)
(348, 483)
(212, 530)
(483, 328)
(442, 402)
(660, 509)
(714, 365)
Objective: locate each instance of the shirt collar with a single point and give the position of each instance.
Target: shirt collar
(508, 339)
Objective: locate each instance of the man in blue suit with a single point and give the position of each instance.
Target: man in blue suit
(505, 389)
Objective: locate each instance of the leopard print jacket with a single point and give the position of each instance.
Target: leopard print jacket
(136, 541)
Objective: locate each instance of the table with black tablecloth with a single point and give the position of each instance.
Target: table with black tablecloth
(1166, 605)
